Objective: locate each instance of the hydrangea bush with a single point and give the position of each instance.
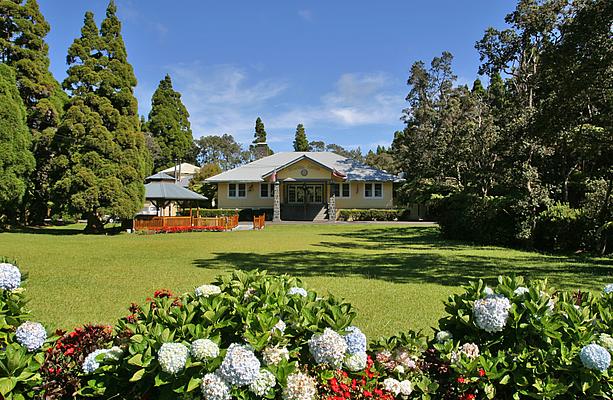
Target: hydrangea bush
(250, 335)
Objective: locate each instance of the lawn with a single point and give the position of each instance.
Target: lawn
(397, 276)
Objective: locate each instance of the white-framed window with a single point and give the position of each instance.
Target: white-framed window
(373, 190)
(237, 190)
(341, 189)
(267, 190)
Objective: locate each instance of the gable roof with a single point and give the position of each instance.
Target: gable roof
(186, 169)
(258, 170)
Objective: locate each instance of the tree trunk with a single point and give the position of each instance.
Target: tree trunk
(603, 215)
(94, 224)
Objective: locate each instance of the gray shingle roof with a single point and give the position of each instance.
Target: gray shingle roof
(161, 190)
(256, 170)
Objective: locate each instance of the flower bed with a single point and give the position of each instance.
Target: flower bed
(250, 335)
(178, 229)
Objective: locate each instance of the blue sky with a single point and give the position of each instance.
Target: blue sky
(338, 67)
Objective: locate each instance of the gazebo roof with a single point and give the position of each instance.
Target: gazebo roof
(164, 189)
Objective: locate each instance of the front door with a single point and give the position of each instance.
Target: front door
(303, 201)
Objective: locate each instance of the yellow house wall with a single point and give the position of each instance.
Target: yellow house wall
(252, 200)
(357, 199)
(315, 172)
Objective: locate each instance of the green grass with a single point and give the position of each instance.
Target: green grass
(397, 276)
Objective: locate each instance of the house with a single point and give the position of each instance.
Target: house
(304, 185)
(183, 173)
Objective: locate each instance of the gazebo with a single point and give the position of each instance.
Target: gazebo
(161, 189)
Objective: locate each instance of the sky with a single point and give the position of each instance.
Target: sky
(338, 67)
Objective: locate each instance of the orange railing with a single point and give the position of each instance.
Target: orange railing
(259, 222)
(152, 222)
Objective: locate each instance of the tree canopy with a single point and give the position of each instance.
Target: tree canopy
(300, 140)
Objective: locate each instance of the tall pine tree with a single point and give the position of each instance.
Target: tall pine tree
(22, 45)
(259, 137)
(169, 125)
(102, 158)
(300, 140)
(16, 160)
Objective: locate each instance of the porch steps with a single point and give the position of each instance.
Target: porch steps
(322, 215)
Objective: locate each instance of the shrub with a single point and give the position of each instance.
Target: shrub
(373, 214)
(251, 335)
(488, 220)
(559, 227)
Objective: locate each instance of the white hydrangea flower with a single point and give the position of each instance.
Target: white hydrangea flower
(263, 383)
(521, 290)
(279, 326)
(594, 356)
(470, 350)
(443, 336)
(207, 290)
(214, 388)
(10, 276)
(172, 357)
(356, 362)
(31, 335)
(606, 341)
(274, 355)
(90, 364)
(240, 366)
(297, 290)
(328, 348)
(356, 340)
(204, 349)
(392, 385)
(488, 291)
(406, 387)
(491, 313)
(300, 386)
(608, 289)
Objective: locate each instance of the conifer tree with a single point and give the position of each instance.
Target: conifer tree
(16, 160)
(260, 132)
(169, 125)
(300, 141)
(478, 88)
(102, 158)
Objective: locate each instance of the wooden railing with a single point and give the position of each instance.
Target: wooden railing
(259, 222)
(152, 222)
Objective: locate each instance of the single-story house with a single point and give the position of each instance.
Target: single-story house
(304, 185)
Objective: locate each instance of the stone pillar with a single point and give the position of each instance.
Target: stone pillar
(276, 216)
(332, 208)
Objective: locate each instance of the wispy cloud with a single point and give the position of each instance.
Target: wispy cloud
(306, 15)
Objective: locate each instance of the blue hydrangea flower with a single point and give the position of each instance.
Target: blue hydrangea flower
(521, 290)
(204, 349)
(214, 388)
(356, 362)
(328, 348)
(356, 340)
(492, 312)
(594, 356)
(608, 289)
(264, 382)
(240, 366)
(10, 277)
(31, 335)
(443, 336)
(297, 290)
(90, 364)
(172, 357)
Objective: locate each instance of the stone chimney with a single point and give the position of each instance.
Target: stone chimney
(261, 150)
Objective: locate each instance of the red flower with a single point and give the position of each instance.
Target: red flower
(69, 351)
(461, 380)
(481, 372)
(366, 393)
(162, 293)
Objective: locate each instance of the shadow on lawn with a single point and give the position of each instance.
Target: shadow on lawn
(419, 256)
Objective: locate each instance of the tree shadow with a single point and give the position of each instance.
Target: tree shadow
(61, 231)
(448, 270)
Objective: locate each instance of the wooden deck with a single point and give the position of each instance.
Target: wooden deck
(152, 222)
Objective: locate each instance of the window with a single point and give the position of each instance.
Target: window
(341, 189)
(267, 190)
(237, 190)
(373, 190)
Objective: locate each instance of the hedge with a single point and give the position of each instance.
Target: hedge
(373, 214)
(250, 335)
